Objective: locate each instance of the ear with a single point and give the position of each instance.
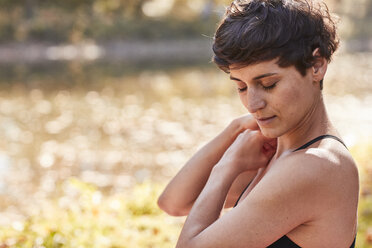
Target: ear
(319, 67)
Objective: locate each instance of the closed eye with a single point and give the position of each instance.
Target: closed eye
(240, 90)
(269, 87)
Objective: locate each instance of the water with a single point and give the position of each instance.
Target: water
(115, 125)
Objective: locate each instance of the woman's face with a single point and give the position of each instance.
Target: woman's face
(280, 99)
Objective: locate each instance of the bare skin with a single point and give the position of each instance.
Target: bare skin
(309, 195)
(191, 179)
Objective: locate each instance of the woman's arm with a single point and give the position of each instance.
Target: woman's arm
(268, 213)
(182, 191)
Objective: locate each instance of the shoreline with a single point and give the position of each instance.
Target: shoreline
(116, 51)
(127, 51)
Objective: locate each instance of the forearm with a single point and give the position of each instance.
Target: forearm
(186, 186)
(207, 208)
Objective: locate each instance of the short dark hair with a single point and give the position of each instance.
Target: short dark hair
(254, 31)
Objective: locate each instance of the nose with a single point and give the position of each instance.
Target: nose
(254, 101)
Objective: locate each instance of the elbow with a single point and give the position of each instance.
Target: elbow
(189, 243)
(182, 245)
(170, 208)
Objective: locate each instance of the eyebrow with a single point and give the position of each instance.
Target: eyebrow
(255, 78)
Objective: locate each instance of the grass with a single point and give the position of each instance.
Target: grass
(85, 217)
(85, 162)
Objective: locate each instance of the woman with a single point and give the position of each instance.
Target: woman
(302, 182)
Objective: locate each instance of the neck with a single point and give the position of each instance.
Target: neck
(314, 124)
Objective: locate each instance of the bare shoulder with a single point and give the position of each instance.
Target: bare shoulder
(330, 181)
(337, 169)
(330, 167)
(310, 195)
(324, 184)
(325, 176)
(332, 164)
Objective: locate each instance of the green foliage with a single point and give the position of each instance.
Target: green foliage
(144, 200)
(84, 218)
(362, 154)
(365, 222)
(75, 21)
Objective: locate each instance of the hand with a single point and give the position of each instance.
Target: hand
(245, 122)
(250, 151)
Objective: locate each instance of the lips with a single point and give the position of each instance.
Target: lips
(265, 120)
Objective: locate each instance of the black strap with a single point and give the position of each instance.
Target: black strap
(320, 138)
(236, 203)
(284, 242)
(353, 244)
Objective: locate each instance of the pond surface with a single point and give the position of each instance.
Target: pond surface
(115, 125)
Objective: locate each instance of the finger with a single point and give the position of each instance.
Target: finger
(249, 122)
(255, 126)
(271, 144)
(267, 146)
(271, 140)
(268, 152)
(255, 135)
(271, 153)
(264, 160)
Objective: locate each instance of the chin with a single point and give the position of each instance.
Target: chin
(270, 133)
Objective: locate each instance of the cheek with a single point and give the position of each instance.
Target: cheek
(291, 102)
(243, 100)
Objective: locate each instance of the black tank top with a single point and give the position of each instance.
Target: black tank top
(285, 242)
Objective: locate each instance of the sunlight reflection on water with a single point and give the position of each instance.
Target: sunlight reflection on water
(114, 132)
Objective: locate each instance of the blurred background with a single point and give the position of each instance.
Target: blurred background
(102, 102)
